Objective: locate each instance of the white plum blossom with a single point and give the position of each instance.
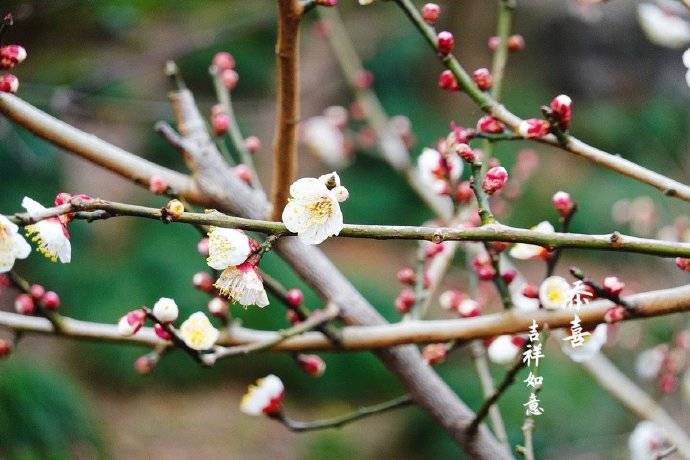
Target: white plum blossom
(432, 172)
(165, 310)
(662, 27)
(646, 441)
(504, 349)
(12, 245)
(592, 345)
(554, 293)
(50, 234)
(243, 285)
(323, 138)
(264, 397)
(198, 332)
(648, 363)
(530, 251)
(227, 247)
(313, 211)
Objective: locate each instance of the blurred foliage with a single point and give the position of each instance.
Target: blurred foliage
(106, 52)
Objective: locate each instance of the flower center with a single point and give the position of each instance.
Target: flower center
(320, 210)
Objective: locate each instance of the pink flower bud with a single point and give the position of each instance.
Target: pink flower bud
(563, 203)
(131, 322)
(534, 128)
(202, 247)
(516, 43)
(364, 79)
(37, 291)
(9, 83)
(11, 55)
(24, 304)
(229, 78)
(312, 365)
(466, 153)
(486, 273)
(293, 317)
(162, 332)
(5, 348)
(5, 281)
(50, 300)
(294, 297)
(144, 365)
(613, 285)
(493, 43)
(158, 185)
(253, 144)
(450, 299)
(495, 179)
(469, 308)
(223, 61)
(431, 13)
(220, 122)
(683, 263)
(406, 275)
(405, 300)
(482, 78)
(530, 291)
(668, 383)
(447, 81)
(243, 173)
(562, 110)
(446, 42)
(499, 246)
(433, 249)
(203, 282)
(509, 275)
(218, 307)
(464, 192)
(490, 125)
(614, 314)
(435, 353)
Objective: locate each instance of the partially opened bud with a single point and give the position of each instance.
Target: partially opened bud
(165, 310)
(561, 106)
(131, 322)
(495, 179)
(162, 332)
(446, 42)
(312, 365)
(218, 307)
(265, 397)
(490, 125)
(11, 55)
(613, 285)
(431, 13)
(450, 299)
(9, 83)
(469, 308)
(534, 128)
(465, 152)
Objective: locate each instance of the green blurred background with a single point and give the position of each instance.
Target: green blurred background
(98, 65)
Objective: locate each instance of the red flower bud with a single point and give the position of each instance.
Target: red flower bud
(446, 42)
(518, 341)
(162, 332)
(614, 314)
(683, 263)
(433, 249)
(223, 61)
(406, 275)
(9, 83)
(516, 43)
(464, 193)
(229, 78)
(431, 13)
(312, 365)
(220, 122)
(668, 383)
(37, 291)
(202, 247)
(499, 246)
(490, 125)
(364, 79)
(203, 282)
(11, 55)
(293, 317)
(144, 365)
(50, 300)
(435, 353)
(534, 128)
(253, 144)
(447, 81)
(482, 78)
(613, 285)
(563, 203)
(294, 297)
(508, 276)
(405, 300)
(530, 291)
(485, 272)
(466, 153)
(5, 348)
(158, 185)
(495, 179)
(218, 307)
(561, 106)
(24, 305)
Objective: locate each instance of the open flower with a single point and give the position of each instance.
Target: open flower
(554, 293)
(198, 332)
(50, 234)
(243, 285)
(662, 27)
(531, 251)
(12, 245)
(227, 247)
(264, 397)
(646, 441)
(591, 347)
(435, 170)
(313, 211)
